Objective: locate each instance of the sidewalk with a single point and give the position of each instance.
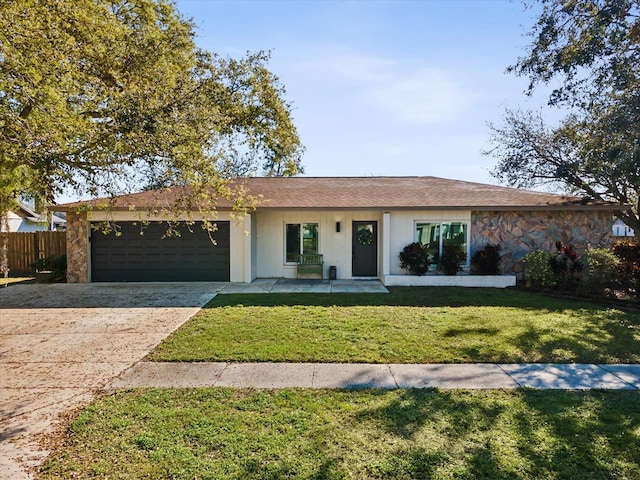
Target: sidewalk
(350, 376)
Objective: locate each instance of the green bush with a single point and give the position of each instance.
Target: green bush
(600, 271)
(629, 268)
(486, 261)
(452, 258)
(53, 263)
(538, 271)
(415, 258)
(566, 266)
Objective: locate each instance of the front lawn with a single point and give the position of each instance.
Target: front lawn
(15, 281)
(408, 325)
(366, 434)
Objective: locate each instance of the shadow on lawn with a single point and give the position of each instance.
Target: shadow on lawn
(604, 338)
(409, 297)
(521, 434)
(600, 335)
(329, 469)
(398, 296)
(326, 435)
(599, 338)
(593, 434)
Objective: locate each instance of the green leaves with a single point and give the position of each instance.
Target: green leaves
(415, 258)
(592, 47)
(591, 44)
(103, 97)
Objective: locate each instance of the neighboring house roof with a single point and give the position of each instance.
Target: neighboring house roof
(30, 214)
(23, 211)
(25, 218)
(369, 193)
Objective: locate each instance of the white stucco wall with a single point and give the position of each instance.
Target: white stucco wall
(257, 248)
(334, 246)
(402, 226)
(620, 229)
(395, 230)
(17, 223)
(253, 249)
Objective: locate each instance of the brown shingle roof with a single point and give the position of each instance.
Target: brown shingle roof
(376, 193)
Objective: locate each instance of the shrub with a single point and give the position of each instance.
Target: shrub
(486, 261)
(452, 258)
(53, 263)
(629, 268)
(538, 271)
(415, 258)
(600, 271)
(566, 266)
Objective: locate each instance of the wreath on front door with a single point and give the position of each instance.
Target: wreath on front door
(365, 236)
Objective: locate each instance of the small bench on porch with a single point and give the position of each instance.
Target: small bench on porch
(310, 263)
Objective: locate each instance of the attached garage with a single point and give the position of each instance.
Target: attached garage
(148, 257)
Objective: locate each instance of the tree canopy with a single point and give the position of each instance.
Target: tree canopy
(589, 51)
(101, 97)
(105, 97)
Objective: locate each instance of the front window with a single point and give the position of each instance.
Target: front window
(436, 235)
(300, 238)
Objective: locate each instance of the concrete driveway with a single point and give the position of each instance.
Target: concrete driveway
(61, 344)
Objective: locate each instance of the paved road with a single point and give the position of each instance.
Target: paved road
(60, 344)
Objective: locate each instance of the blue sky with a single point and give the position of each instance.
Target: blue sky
(383, 88)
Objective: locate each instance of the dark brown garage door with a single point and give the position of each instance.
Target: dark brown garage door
(132, 257)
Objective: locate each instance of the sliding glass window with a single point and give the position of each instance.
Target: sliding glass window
(436, 235)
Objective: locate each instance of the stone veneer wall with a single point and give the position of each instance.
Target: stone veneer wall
(77, 248)
(521, 232)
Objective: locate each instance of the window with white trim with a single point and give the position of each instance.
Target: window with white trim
(300, 238)
(437, 234)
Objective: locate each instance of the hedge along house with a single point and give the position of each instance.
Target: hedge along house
(358, 224)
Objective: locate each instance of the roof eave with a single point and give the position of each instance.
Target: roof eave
(609, 207)
(511, 208)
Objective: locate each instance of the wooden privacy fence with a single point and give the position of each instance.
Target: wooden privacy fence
(27, 247)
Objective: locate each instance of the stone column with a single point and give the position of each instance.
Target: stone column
(77, 248)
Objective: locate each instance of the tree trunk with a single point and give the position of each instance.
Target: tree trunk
(4, 246)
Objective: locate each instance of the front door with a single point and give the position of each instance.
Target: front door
(364, 258)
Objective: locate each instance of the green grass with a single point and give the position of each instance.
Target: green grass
(365, 434)
(15, 280)
(408, 325)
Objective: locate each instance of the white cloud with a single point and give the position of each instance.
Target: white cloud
(426, 95)
(408, 91)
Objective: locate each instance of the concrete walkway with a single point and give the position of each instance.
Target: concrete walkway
(286, 285)
(338, 375)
